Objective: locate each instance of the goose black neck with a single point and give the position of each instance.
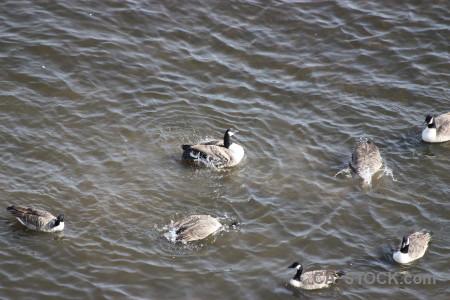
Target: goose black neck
(180, 230)
(432, 125)
(404, 249)
(298, 274)
(226, 140)
(57, 222)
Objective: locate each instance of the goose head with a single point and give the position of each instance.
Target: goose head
(59, 219)
(405, 245)
(230, 131)
(297, 277)
(227, 137)
(295, 265)
(429, 120)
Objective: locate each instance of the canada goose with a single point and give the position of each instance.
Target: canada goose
(438, 129)
(366, 160)
(412, 247)
(313, 280)
(37, 219)
(218, 153)
(195, 227)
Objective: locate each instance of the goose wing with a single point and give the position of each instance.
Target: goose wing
(359, 156)
(213, 153)
(196, 227)
(442, 119)
(213, 142)
(418, 244)
(444, 129)
(443, 124)
(206, 143)
(31, 216)
(318, 279)
(366, 155)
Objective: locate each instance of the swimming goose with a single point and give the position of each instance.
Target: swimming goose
(438, 129)
(412, 247)
(313, 280)
(366, 160)
(37, 219)
(195, 227)
(218, 153)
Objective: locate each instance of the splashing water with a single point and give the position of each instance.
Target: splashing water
(366, 176)
(171, 235)
(346, 171)
(200, 161)
(208, 163)
(388, 172)
(171, 232)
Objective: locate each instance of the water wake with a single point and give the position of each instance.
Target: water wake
(347, 172)
(387, 171)
(366, 177)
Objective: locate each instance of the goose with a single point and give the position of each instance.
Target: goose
(412, 247)
(366, 160)
(218, 153)
(438, 129)
(37, 219)
(195, 227)
(313, 280)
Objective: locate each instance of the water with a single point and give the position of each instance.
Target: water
(97, 97)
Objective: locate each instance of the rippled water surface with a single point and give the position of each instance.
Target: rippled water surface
(96, 98)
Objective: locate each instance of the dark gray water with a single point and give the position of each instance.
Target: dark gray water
(96, 98)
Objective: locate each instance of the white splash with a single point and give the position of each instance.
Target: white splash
(171, 235)
(367, 177)
(388, 172)
(346, 171)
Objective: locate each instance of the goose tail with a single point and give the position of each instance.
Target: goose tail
(186, 147)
